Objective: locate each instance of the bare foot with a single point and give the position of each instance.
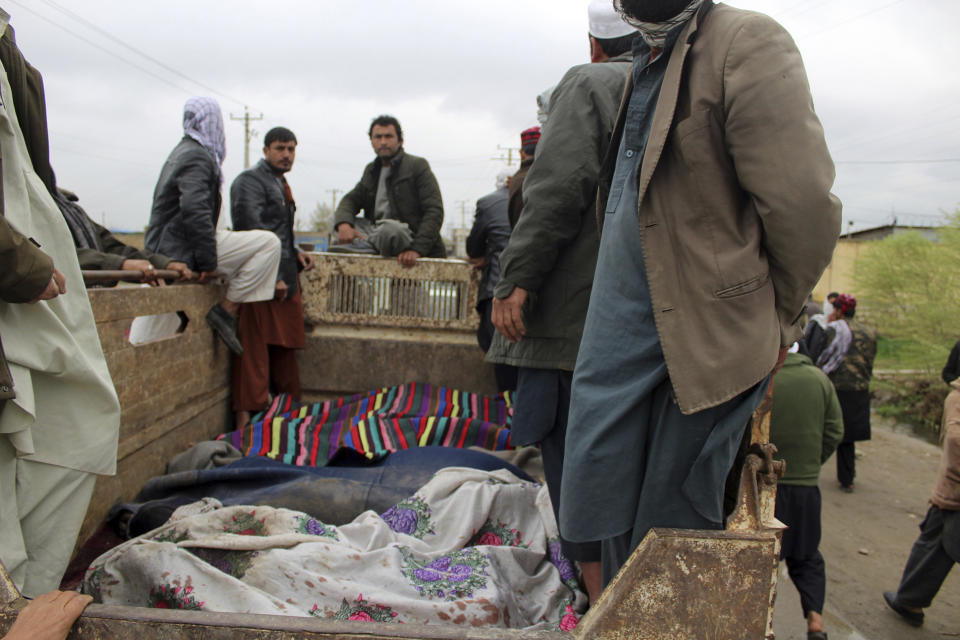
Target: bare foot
(592, 579)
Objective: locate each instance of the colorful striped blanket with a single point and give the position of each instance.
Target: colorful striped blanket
(374, 423)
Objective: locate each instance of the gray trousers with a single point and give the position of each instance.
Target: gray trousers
(931, 558)
(389, 237)
(42, 507)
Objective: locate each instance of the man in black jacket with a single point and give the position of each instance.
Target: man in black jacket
(269, 331)
(183, 221)
(400, 198)
(488, 237)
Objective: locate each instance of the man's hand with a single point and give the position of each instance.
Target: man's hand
(408, 258)
(306, 261)
(48, 617)
(204, 277)
(57, 286)
(507, 315)
(347, 234)
(181, 268)
(280, 291)
(477, 262)
(148, 270)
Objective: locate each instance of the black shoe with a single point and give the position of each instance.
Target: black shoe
(225, 325)
(911, 617)
(359, 245)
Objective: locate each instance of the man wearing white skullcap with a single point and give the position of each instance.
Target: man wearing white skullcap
(552, 253)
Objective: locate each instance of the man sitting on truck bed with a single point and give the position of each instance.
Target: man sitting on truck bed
(401, 202)
(183, 221)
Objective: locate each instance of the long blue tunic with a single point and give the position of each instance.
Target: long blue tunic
(633, 460)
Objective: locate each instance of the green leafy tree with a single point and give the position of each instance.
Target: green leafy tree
(321, 219)
(911, 288)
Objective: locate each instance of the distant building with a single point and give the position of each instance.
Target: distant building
(839, 273)
(312, 240)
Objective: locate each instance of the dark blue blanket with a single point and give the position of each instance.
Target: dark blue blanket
(332, 494)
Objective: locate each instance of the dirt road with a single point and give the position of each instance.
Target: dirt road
(866, 538)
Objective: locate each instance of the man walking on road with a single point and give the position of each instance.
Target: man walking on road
(805, 425)
(938, 547)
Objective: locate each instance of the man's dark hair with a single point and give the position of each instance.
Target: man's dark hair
(386, 121)
(530, 149)
(614, 47)
(832, 296)
(278, 134)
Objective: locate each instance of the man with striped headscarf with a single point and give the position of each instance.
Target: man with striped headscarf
(717, 221)
(183, 221)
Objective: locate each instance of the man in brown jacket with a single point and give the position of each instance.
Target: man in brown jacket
(717, 220)
(938, 547)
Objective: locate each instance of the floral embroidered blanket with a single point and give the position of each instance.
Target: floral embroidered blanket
(469, 548)
(375, 423)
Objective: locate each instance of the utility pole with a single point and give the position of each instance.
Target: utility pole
(463, 213)
(509, 154)
(248, 133)
(334, 193)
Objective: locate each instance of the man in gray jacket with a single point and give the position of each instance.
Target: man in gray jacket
(717, 222)
(487, 240)
(547, 268)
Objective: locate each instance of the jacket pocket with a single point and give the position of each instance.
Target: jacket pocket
(744, 287)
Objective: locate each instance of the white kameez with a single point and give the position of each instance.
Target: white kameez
(65, 418)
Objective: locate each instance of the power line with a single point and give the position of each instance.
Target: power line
(835, 25)
(130, 47)
(121, 58)
(104, 49)
(937, 161)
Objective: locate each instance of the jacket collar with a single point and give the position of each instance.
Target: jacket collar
(394, 161)
(667, 102)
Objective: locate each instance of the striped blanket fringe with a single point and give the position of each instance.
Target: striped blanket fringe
(374, 423)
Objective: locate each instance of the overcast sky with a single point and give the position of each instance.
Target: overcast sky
(462, 78)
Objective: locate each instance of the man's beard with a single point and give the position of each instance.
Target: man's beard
(651, 10)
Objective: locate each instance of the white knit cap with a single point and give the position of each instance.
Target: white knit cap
(605, 22)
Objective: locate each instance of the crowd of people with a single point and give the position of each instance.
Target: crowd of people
(645, 275)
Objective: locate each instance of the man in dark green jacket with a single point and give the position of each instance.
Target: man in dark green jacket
(806, 426)
(98, 249)
(540, 302)
(400, 199)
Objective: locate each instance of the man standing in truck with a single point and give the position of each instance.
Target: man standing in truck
(59, 413)
(400, 199)
(717, 221)
(270, 331)
(552, 253)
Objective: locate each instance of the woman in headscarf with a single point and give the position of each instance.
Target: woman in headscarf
(848, 362)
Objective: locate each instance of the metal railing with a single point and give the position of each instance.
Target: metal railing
(374, 291)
